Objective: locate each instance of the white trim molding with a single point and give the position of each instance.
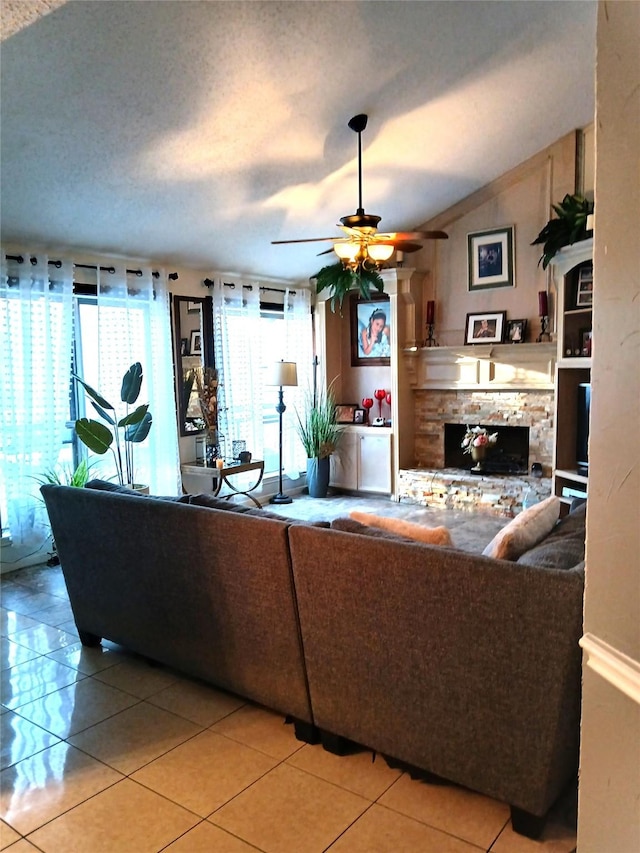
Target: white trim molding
(613, 665)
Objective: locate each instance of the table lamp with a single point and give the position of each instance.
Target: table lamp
(282, 373)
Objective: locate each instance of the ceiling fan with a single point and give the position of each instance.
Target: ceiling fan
(364, 246)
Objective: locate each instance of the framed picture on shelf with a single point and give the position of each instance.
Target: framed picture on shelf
(490, 258)
(584, 293)
(370, 331)
(585, 342)
(196, 342)
(485, 328)
(359, 416)
(345, 413)
(516, 331)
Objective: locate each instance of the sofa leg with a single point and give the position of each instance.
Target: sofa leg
(525, 823)
(306, 732)
(336, 744)
(88, 639)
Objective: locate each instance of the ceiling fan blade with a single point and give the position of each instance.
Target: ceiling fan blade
(326, 252)
(406, 247)
(307, 240)
(415, 235)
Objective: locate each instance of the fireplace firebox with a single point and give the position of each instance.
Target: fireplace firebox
(510, 454)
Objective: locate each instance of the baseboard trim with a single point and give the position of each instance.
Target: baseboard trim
(620, 670)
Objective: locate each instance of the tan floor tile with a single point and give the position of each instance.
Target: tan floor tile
(357, 773)
(556, 838)
(29, 603)
(196, 701)
(76, 707)
(134, 737)
(12, 654)
(44, 638)
(23, 846)
(86, 659)
(20, 739)
(54, 615)
(289, 810)
(136, 676)
(381, 830)
(7, 835)
(125, 818)
(28, 681)
(42, 787)
(205, 772)
(261, 729)
(460, 812)
(207, 838)
(12, 622)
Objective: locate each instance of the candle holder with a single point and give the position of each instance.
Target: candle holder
(544, 330)
(430, 339)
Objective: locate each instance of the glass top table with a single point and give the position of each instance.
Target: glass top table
(220, 477)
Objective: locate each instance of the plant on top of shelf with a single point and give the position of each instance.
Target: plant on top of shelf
(569, 227)
(340, 280)
(136, 425)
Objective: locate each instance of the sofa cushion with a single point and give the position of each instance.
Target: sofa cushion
(212, 502)
(563, 548)
(525, 530)
(106, 486)
(407, 529)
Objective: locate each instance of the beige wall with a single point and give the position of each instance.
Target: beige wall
(608, 816)
(521, 198)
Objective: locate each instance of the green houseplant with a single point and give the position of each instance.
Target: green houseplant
(135, 425)
(340, 280)
(63, 475)
(569, 226)
(319, 434)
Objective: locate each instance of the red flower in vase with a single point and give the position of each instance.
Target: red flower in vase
(380, 395)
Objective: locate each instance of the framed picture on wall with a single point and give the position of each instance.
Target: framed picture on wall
(485, 328)
(370, 331)
(196, 342)
(490, 258)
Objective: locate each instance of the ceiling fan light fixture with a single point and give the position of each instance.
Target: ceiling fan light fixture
(379, 252)
(347, 251)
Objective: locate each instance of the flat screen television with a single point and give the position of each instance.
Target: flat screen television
(582, 431)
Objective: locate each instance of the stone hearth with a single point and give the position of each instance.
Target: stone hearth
(452, 488)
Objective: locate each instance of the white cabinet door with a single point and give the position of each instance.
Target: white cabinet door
(344, 462)
(374, 463)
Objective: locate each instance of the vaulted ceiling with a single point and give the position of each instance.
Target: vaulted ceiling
(197, 132)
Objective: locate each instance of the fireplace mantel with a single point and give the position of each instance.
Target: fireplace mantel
(483, 367)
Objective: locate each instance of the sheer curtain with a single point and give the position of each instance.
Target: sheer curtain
(297, 345)
(132, 323)
(36, 311)
(238, 349)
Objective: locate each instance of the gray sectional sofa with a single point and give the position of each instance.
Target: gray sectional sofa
(445, 662)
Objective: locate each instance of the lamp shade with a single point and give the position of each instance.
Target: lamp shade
(379, 251)
(347, 251)
(282, 373)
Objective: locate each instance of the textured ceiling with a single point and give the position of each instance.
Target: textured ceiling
(197, 132)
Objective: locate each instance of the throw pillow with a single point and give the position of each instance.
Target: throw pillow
(525, 530)
(417, 532)
(563, 548)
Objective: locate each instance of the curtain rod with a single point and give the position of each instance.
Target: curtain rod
(208, 282)
(57, 264)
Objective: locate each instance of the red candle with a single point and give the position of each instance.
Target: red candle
(543, 305)
(431, 310)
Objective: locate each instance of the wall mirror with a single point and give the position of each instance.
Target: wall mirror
(193, 351)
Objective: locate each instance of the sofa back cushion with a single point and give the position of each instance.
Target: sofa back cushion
(563, 548)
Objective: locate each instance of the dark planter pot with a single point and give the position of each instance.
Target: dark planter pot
(318, 477)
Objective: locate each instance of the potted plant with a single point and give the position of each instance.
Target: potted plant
(340, 280)
(569, 227)
(64, 476)
(320, 435)
(135, 425)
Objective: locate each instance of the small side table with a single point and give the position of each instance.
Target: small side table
(220, 477)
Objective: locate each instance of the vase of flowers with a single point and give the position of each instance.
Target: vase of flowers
(206, 382)
(477, 442)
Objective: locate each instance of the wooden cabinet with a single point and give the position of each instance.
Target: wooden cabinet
(573, 278)
(363, 462)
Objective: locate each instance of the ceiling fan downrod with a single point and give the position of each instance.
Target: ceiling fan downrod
(361, 220)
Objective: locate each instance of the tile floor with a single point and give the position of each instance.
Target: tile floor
(104, 753)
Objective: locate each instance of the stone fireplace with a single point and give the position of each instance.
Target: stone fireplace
(509, 455)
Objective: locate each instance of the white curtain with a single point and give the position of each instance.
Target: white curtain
(132, 323)
(36, 311)
(297, 345)
(238, 349)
